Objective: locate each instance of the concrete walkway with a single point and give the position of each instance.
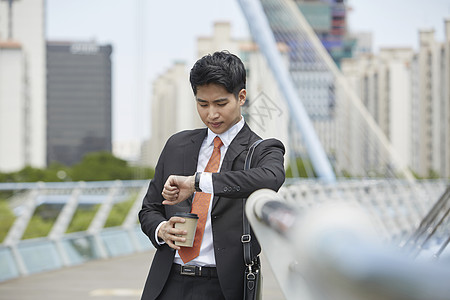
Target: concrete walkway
(120, 278)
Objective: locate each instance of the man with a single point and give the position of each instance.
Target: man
(184, 178)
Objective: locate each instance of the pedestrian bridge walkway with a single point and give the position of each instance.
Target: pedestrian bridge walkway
(112, 263)
(119, 278)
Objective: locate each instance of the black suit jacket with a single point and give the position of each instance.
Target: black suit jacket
(231, 184)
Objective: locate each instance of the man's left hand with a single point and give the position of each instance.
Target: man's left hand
(177, 189)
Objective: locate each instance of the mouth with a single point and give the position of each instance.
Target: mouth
(215, 124)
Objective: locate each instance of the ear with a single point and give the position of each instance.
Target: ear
(242, 96)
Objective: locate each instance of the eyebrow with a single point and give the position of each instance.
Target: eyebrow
(214, 101)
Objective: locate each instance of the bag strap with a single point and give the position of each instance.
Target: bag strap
(246, 237)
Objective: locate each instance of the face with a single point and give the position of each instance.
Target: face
(218, 108)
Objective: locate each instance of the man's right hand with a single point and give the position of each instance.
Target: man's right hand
(168, 232)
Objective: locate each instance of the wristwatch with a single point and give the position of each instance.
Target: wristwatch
(197, 181)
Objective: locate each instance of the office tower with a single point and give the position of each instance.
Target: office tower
(79, 100)
(433, 104)
(173, 109)
(383, 83)
(328, 18)
(12, 107)
(445, 98)
(408, 96)
(22, 84)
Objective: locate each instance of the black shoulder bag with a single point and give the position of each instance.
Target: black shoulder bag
(252, 276)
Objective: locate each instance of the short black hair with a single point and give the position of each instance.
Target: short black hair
(221, 68)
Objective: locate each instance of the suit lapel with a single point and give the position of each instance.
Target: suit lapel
(237, 146)
(191, 154)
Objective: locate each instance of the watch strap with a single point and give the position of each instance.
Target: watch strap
(197, 181)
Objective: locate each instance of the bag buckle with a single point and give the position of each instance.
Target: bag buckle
(246, 238)
(251, 278)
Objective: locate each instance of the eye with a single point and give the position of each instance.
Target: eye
(203, 105)
(221, 104)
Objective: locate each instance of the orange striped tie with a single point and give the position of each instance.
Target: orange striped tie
(200, 206)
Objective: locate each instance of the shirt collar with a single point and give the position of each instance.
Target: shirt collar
(228, 136)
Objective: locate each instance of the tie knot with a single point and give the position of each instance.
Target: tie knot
(217, 142)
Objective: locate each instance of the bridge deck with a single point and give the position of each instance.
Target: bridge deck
(120, 278)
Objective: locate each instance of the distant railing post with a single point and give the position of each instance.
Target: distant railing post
(63, 222)
(101, 216)
(20, 224)
(130, 221)
(66, 215)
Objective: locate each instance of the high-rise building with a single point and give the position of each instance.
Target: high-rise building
(328, 18)
(221, 39)
(324, 21)
(383, 83)
(265, 109)
(433, 104)
(173, 109)
(445, 86)
(22, 84)
(79, 100)
(408, 96)
(12, 107)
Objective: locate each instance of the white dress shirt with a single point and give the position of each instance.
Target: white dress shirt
(206, 256)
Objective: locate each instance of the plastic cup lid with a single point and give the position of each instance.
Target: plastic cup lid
(186, 215)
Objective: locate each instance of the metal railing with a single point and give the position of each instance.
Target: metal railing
(20, 256)
(345, 241)
(396, 207)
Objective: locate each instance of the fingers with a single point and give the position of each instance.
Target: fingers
(170, 191)
(170, 196)
(177, 188)
(170, 234)
(171, 185)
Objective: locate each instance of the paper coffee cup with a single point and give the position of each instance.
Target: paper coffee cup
(190, 226)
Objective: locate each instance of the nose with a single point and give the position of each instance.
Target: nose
(213, 113)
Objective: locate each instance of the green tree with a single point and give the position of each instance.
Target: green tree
(55, 172)
(95, 166)
(29, 174)
(101, 166)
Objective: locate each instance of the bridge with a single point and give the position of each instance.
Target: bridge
(112, 262)
(120, 278)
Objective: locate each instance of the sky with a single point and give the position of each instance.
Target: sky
(148, 36)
